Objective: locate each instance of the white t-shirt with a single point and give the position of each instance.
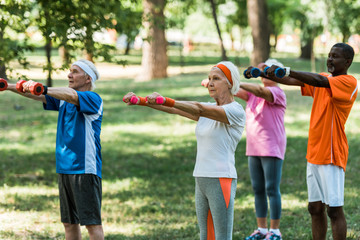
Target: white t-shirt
(217, 142)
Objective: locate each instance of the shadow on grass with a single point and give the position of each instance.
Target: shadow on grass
(31, 235)
(30, 202)
(21, 168)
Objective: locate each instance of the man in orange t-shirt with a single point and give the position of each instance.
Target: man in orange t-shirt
(327, 152)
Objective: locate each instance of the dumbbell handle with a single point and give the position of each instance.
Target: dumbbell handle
(279, 72)
(3, 84)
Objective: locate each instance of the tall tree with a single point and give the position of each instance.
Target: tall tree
(46, 20)
(214, 14)
(154, 59)
(309, 18)
(239, 17)
(128, 21)
(344, 16)
(258, 21)
(91, 18)
(14, 17)
(277, 16)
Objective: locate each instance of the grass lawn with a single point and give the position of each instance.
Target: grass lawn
(148, 159)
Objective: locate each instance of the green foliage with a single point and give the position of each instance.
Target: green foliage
(177, 11)
(14, 19)
(128, 21)
(308, 16)
(276, 15)
(239, 18)
(344, 16)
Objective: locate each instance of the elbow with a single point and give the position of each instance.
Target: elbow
(73, 98)
(258, 92)
(199, 109)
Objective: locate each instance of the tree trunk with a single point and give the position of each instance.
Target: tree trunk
(307, 49)
(48, 47)
(89, 45)
(89, 56)
(3, 71)
(154, 59)
(258, 21)
(346, 37)
(127, 49)
(2, 63)
(64, 54)
(213, 8)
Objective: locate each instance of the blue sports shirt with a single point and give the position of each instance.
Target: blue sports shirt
(78, 148)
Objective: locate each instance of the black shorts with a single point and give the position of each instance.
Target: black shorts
(80, 199)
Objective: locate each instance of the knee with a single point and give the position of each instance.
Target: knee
(90, 228)
(258, 188)
(272, 191)
(316, 208)
(70, 226)
(94, 228)
(335, 212)
(95, 231)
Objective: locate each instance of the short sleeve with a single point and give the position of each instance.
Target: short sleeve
(89, 102)
(343, 87)
(51, 103)
(235, 114)
(278, 95)
(307, 90)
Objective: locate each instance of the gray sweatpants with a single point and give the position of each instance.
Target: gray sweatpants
(215, 207)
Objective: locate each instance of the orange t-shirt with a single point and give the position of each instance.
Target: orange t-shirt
(327, 143)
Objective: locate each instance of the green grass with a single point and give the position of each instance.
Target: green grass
(148, 159)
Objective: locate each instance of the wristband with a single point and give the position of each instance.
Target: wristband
(287, 71)
(143, 101)
(137, 100)
(45, 90)
(169, 102)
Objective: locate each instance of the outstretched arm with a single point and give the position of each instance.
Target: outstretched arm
(173, 110)
(195, 110)
(258, 91)
(162, 108)
(12, 88)
(191, 110)
(62, 93)
(299, 78)
(312, 79)
(242, 93)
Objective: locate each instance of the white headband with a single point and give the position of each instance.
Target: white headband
(86, 69)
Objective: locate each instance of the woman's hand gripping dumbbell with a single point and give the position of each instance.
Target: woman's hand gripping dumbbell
(132, 99)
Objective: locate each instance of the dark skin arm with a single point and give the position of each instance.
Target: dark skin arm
(299, 78)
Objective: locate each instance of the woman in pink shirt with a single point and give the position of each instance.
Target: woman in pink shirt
(265, 148)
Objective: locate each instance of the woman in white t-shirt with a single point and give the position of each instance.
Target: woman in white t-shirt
(218, 132)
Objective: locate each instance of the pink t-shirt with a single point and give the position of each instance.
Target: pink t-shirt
(265, 130)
